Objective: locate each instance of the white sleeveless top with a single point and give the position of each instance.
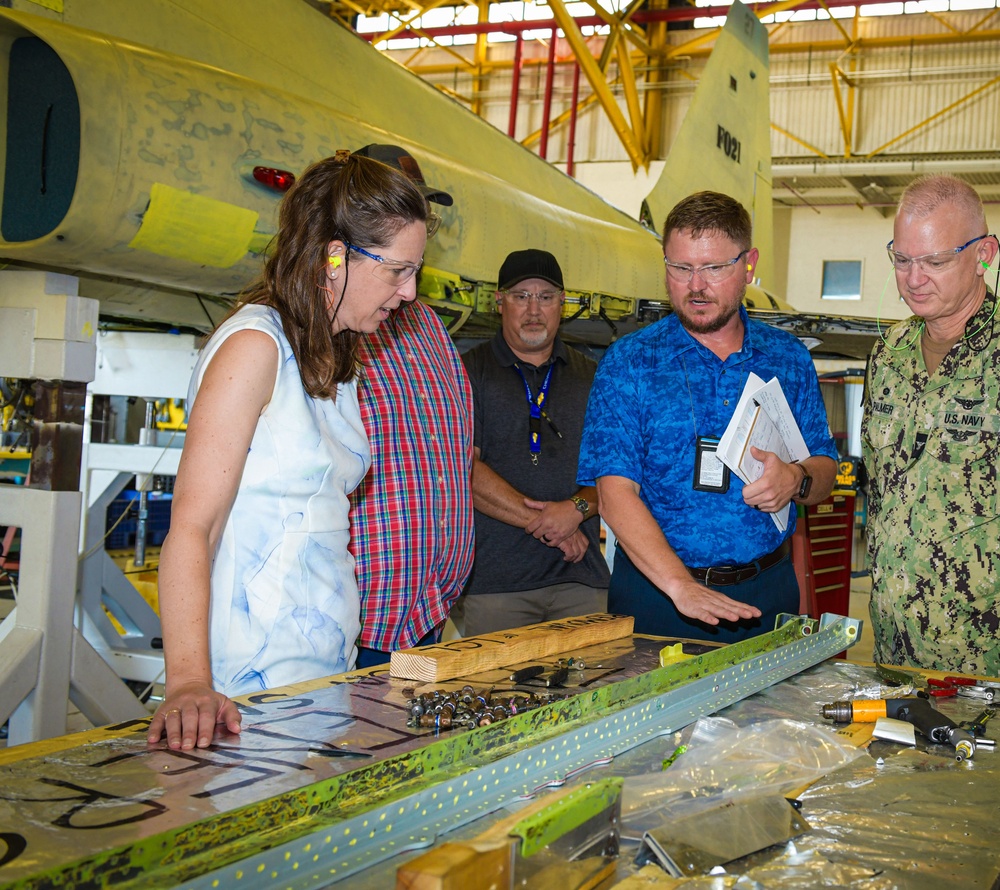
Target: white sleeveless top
(284, 603)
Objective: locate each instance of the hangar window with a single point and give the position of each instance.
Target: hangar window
(841, 279)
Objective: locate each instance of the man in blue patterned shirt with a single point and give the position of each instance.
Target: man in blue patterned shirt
(698, 555)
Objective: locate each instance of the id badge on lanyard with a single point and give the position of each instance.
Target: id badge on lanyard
(710, 473)
(536, 406)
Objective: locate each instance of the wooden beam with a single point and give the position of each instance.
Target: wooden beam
(473, 655)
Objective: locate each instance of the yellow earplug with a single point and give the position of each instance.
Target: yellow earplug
(749, 268)
(335, 261)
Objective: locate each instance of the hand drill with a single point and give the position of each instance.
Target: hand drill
(926, 719)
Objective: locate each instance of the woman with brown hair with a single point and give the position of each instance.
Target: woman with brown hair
(257, 586)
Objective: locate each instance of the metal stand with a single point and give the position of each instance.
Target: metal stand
(47, 334)
(149, 366)
(136, 654)
(44, 661)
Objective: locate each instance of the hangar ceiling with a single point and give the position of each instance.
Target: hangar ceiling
(642, 45)
(874, 183)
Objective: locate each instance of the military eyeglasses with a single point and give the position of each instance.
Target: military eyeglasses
(713, 273)
(392, 271)
(521, 298)
(929, 262)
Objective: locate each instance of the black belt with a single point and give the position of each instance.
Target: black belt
(723, 576)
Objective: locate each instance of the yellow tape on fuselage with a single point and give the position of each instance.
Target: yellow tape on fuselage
(195, 228)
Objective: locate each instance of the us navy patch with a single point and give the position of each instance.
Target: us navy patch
(966, 421)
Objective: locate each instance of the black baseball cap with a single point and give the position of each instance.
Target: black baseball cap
(396, 157)
(523, 264)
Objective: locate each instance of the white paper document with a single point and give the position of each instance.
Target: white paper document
(762, 419)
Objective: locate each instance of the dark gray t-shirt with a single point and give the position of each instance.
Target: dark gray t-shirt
(507, 558)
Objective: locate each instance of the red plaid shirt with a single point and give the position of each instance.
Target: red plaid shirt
(411, 517)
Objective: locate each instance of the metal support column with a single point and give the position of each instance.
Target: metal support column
(571, 142)
(515, 87)
(550, 73)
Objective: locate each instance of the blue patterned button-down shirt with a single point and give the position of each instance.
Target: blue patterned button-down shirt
(655, 393)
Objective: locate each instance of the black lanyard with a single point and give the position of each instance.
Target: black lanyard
(536, 404)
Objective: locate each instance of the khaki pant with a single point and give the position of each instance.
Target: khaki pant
(488, 612)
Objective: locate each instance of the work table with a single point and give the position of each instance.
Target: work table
(328, 784)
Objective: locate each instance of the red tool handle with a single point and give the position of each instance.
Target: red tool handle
(942, 688)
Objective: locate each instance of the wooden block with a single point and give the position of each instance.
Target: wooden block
(583, 874)
(459, 867)
(473, 655)
(487, 861)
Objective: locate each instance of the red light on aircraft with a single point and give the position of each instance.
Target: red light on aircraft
(279, 180)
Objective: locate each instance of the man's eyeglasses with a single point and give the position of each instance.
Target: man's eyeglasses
(544, 298)
(929, 262)
(392, 271)
(712, 273)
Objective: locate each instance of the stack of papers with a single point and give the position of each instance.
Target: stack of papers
(764, 420)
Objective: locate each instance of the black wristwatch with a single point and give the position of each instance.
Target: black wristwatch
(806, 483)
(582, 504)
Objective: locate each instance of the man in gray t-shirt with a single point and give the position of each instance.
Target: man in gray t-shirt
(538, 553)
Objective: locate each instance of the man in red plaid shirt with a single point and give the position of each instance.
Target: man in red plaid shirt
(411, 518)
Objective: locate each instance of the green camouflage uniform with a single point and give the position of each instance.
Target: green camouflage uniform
(930, 448)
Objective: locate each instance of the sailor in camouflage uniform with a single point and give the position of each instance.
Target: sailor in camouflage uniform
(930, 441)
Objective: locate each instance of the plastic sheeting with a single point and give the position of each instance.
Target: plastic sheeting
(893, 817)
(725, 762)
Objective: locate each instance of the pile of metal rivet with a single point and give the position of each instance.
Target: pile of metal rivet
(467, 708)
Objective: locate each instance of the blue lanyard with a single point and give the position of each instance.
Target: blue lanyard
(536, 404)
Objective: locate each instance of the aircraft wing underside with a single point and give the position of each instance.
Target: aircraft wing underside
(132, 136)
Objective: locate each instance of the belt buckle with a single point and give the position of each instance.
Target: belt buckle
(710, 569)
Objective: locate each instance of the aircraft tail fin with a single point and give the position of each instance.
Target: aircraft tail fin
(724, 144)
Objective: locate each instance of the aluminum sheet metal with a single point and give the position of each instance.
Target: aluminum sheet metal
(324, 784)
